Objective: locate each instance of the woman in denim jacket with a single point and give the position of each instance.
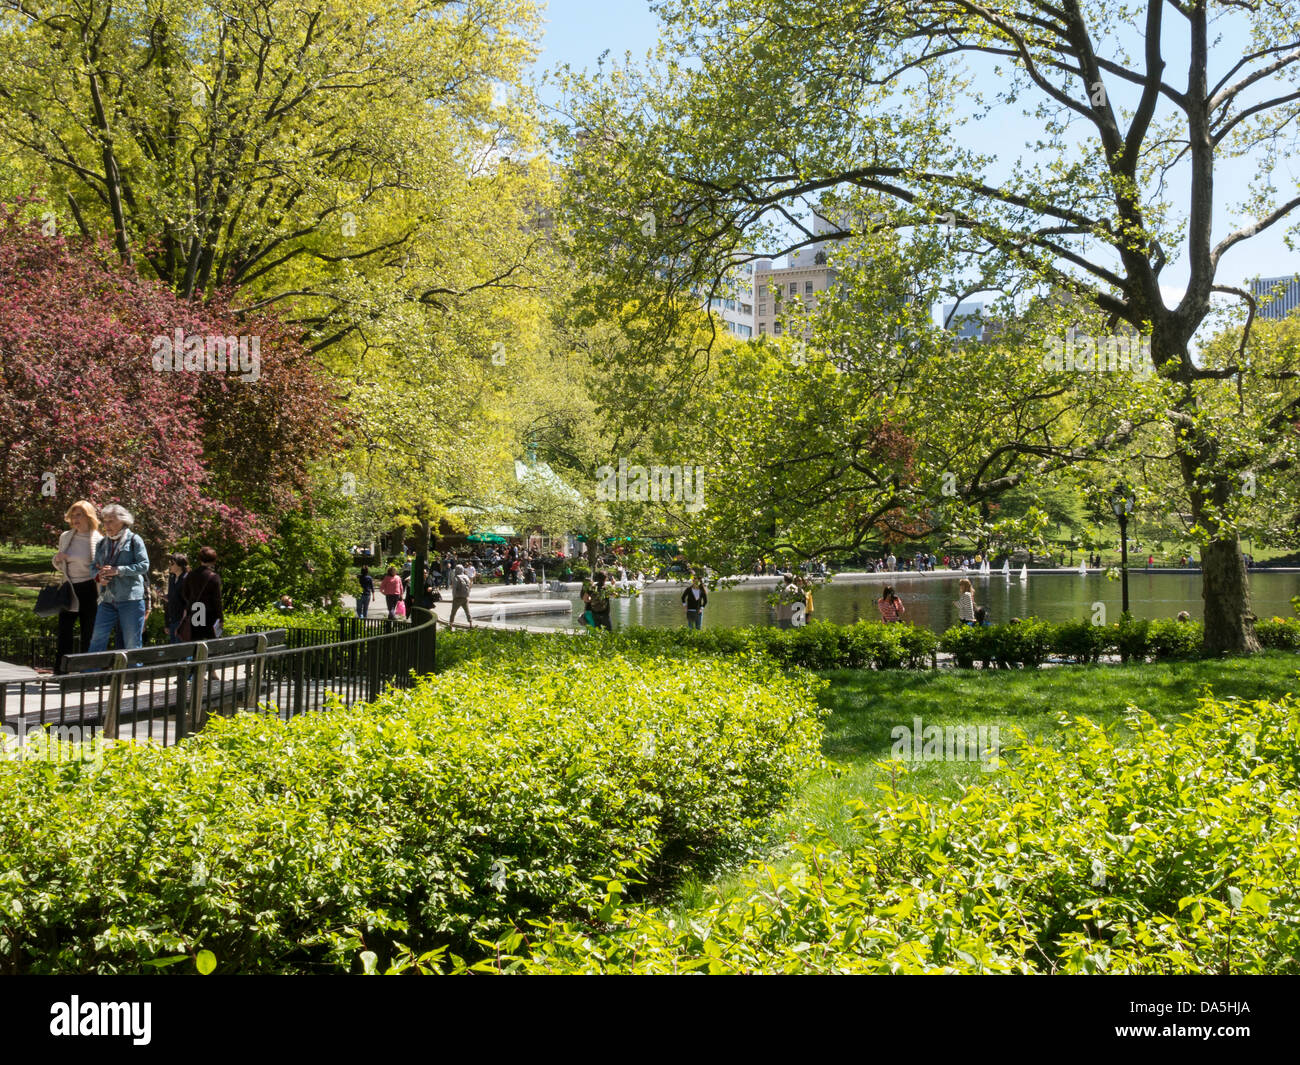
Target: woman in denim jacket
(122, 570)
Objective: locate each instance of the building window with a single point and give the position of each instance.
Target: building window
(807, 287)
(762, 327)
(776, 329)
(762, 308)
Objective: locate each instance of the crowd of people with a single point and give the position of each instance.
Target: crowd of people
(107, 565)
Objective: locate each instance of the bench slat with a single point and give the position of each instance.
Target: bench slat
(178, 652)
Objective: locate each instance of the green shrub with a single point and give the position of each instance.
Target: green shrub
(1082, 642)
(1168, 638)
(1279, 633)
(1173, 853)
(437, 816)
(18, 622)
(271, 618)
(818, 645)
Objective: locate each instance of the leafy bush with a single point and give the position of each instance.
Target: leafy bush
(1082, 642)
(1167, 638)
(1174, 853)
(19, 622)
(263, 620)
(441, 814)
(1279, 633)
(819, 645)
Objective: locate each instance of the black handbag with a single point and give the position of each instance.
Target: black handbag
(56, 598)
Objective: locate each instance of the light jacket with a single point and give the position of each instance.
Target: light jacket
(132, 564)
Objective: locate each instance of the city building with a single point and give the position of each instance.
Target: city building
(1277, 296)
(965, 320)
(736, 305)
(782, 293)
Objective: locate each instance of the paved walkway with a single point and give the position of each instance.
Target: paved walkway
(10, 672)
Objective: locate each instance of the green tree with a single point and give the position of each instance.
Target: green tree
(755, 106)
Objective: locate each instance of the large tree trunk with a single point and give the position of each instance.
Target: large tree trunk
(1225, 588)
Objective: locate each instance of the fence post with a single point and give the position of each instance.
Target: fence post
(252, 700)
(182, 701)
(197, 717)
(372, 668)
(299, 682)
(115, 695)
(426, 632)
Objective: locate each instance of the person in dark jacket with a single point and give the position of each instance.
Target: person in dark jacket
(202, 594)
(695, 599)
(367, 592)
(178, 568)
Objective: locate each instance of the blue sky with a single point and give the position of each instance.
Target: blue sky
(578, 31)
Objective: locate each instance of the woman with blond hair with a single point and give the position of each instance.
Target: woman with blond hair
(75, 558)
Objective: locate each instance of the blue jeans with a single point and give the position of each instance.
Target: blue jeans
(363, 605)
(126, 617)
(694, 618)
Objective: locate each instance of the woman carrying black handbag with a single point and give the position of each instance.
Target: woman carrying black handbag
(76, 553)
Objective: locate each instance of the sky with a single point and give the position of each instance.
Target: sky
(578, 31)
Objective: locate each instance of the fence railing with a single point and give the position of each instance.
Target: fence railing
(35, 652)
(165, 703)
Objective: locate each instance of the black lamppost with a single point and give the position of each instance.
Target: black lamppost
(1122, 504)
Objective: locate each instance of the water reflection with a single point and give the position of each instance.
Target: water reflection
(932, 601)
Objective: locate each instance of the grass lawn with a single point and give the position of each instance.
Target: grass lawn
(19, 568)
(866, 704)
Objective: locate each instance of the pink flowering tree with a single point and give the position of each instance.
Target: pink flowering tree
(90, 410)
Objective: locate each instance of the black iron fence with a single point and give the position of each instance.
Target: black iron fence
(142, 697)
(35, 652)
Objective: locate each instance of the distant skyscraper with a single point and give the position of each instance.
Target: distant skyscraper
(1287, 301)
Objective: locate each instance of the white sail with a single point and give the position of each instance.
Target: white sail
(984, 568)
(1024, 573)
(1006, 568)
(1083, 567)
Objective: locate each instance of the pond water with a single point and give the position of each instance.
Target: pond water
(931, 599)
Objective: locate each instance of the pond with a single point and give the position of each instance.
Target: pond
(930, 599)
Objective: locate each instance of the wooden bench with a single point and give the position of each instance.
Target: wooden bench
(192, 706)
(162, 654)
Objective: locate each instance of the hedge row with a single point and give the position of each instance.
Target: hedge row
(436, 817)
(820, 645)
(874, 644)
(1098, 857)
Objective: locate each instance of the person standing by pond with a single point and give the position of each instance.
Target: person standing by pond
(966, 602)
(597, 599)
(76, 555)
(121, 569)
(805, 587)
(890, 606)
(695, 599)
